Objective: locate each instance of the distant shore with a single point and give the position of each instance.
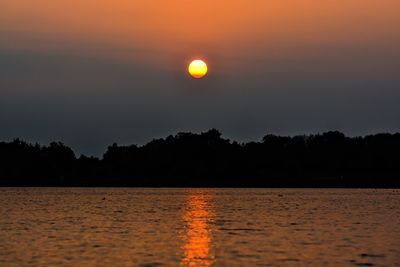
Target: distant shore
(330, 160)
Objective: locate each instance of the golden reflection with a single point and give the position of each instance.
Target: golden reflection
(197, 237)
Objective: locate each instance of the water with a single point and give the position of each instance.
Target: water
(199, 227)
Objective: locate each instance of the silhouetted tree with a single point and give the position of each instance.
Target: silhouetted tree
(208, 159)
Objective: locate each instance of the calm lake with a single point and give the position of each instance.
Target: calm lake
(199, 227)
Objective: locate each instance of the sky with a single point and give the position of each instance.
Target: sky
(93, 72)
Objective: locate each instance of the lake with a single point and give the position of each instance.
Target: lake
(199, 227)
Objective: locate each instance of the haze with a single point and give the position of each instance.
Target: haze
(90, 72)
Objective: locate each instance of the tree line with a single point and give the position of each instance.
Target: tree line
(329, 159)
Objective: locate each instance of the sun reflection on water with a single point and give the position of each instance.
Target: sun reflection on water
(197, 237)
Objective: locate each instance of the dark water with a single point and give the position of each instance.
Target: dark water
(199, 227)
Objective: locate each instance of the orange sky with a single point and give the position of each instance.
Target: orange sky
(156, 31)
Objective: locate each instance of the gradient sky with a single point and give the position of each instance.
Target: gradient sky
(93, 72)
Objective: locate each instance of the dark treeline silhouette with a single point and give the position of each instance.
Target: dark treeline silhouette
(324, 160)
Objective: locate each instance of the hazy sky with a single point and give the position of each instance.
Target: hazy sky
(93, 72)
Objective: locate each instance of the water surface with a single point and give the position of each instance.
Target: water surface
(199, 227)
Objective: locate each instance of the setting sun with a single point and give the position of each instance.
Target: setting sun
(197, 68)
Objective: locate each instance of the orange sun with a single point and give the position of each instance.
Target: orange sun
(197, 69)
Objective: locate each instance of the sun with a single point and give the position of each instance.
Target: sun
(197, 69)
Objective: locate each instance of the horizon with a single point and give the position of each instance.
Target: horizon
(208, 160)
(177, 134)
(231, 140)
